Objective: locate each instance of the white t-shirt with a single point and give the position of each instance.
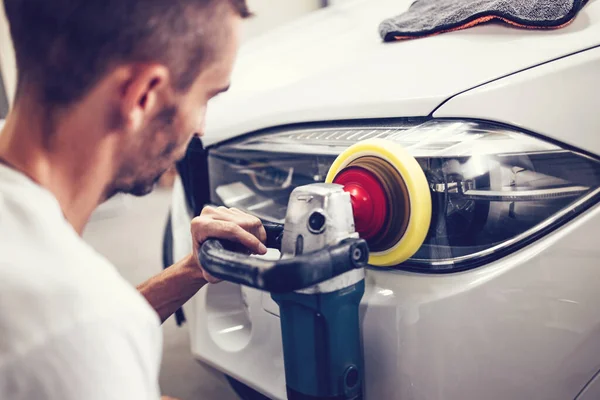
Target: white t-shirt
(70, 326)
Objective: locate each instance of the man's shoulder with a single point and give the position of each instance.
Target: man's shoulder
(42, 259)
(65, 292)
(64, 338)
(51, 280)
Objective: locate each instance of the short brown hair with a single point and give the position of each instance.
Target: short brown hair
(63, 47)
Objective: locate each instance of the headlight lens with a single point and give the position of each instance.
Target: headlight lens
(493, 188)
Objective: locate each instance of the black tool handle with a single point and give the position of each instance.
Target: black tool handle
(274, 235)
(286, 275)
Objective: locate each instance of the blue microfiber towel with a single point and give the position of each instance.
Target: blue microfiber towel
(431, 17)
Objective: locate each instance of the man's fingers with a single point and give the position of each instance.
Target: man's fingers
(248, 222)
(204, 228)
(254, 226)
(235, 232)
(261, 233)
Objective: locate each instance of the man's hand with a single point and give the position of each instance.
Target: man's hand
(230, 224)
(170, 289)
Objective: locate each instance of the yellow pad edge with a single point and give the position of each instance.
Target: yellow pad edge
(418, 192)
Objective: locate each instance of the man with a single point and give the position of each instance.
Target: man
(109, 95)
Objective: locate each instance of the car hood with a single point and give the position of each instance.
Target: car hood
(332, 65)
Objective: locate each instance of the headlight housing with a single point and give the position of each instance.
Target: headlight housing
(494, 189)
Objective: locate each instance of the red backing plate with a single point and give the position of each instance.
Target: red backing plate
(368, 200)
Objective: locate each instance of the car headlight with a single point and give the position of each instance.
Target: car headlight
(494, 189)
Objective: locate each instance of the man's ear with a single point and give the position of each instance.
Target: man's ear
(144, 94)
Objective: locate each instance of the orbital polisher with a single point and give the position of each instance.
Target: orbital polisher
(374, 209)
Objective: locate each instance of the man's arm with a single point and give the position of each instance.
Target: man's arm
(170, 289)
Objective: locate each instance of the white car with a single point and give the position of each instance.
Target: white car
(502, 301)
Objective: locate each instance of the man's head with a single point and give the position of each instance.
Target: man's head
(139, 73)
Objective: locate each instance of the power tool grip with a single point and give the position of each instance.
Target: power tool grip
(286, 275)
(274, 234)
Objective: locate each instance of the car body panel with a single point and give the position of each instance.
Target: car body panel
(541, 99)
(592, 390)
(332, 65)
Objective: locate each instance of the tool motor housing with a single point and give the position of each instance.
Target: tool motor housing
(320, 324)
(319, 216)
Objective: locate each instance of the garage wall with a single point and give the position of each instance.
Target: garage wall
(3, 102)
(8, 68)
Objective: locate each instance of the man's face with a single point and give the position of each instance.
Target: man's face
(164, 140)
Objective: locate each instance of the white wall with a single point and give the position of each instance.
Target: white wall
(7, 59)
(268, 14)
